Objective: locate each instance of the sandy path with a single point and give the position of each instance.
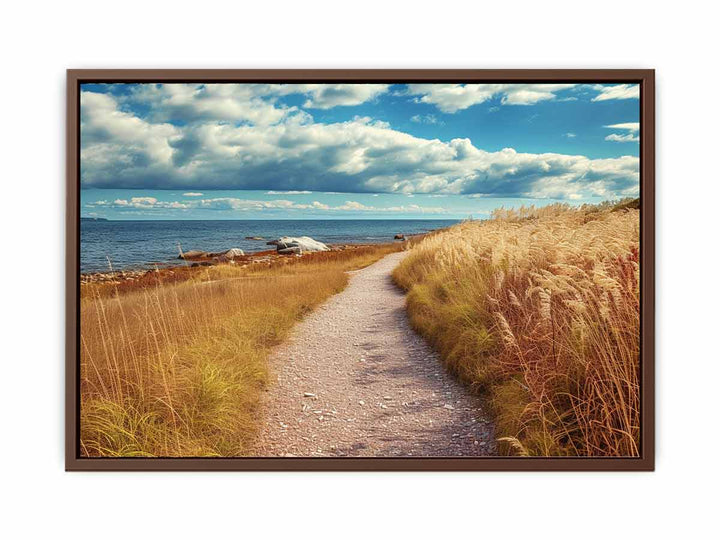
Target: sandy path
(356, 380)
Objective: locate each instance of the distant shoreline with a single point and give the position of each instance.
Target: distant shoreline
(107, 220)
(265, 256)
(141, 245)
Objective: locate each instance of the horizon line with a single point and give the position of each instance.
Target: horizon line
(99, 218)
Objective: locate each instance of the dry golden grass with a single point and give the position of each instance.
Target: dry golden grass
(539, 309)
(176, 369)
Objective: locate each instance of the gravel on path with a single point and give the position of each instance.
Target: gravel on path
(355, 380)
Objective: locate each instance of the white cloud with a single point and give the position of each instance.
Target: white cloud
(630, 126)
(450, 98)
(193, 194)
(632, 129)
(253, 103)
(628, 137)
(222, 102)
(353, 205)
(570, 135)
(617, 91)
(425, 119)
(141, 203)
(144, 200)
(231, 203)
(107, 130)
(415, 208)
(291, 192)
(326, 96)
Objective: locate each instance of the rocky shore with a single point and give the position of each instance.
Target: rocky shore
(286, 250)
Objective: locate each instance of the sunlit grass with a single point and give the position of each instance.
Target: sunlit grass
(539, 309)
(176, 369)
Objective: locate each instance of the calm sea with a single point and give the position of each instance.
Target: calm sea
(137, 244)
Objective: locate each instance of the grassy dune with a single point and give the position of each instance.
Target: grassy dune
(176, 368)
(539, 309)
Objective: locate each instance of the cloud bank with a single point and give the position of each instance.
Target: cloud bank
(451, 98)
(232, 203)
(240, 137)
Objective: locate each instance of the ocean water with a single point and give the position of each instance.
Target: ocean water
(138, 244)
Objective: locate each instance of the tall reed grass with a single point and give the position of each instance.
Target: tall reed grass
(176, 369)
(538, 308)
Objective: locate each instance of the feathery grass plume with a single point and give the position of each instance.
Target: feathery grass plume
(552, 294)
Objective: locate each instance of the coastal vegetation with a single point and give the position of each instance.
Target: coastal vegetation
(173, 363)
(538, 309)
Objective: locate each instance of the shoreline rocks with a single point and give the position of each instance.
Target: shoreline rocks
(285, 247)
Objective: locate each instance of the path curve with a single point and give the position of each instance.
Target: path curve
(354, 379)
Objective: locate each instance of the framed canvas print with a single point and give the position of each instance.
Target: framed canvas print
(360, 270)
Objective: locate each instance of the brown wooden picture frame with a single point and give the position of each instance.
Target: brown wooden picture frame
(644, 77)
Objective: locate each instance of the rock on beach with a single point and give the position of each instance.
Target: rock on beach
(291, 245)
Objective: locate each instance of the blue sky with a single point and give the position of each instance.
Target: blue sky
(349, 151)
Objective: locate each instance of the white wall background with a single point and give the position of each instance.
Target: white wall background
(39, 42)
